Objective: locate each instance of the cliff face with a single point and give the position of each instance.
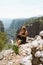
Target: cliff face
(1, 26)
(34, 26)
(30, 53)
(15, 25)
(34, 29)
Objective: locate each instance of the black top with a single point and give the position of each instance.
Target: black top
(23, 39)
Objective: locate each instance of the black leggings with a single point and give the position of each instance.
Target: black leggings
(23, 39)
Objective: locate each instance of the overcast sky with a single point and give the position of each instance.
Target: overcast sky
(20, 8)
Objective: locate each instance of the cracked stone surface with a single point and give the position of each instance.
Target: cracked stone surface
(30, 53)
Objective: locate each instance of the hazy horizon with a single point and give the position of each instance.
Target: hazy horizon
(14, 9)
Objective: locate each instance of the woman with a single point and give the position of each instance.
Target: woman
(21, 37)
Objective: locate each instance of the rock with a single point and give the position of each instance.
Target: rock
(25, 62)
(38, 38)
(1, 56)
(41, 33)
(38, 54)
(9, 63)
(24, 50)
(6, 52)
(40, 64)
(34, 43)
(30, 53)
(41, 59)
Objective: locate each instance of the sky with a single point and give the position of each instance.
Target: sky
(21, 8)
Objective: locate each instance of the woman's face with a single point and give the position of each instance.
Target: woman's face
(23, 29)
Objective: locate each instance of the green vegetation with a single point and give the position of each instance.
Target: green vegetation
(35, 19)
(5, 45)
(3, 40)
(12, 31)
(14, 26)
(17, 23)
(16, 49)
(8, 46)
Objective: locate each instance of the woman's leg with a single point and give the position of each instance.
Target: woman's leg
(18, 41)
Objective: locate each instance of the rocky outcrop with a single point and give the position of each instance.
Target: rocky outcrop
(34, 29)
(30, 53)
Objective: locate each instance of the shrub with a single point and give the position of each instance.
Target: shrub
(3, 40)
(16, 49)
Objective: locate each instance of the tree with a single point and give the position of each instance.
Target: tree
(3, 40)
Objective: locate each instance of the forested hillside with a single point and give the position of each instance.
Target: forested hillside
(1, 26)
(34, 26)
(17, 23)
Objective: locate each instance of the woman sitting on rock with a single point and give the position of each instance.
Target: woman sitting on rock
(21, 37)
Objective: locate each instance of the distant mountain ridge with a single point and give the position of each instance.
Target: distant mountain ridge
(12, 26)
(15, 25)
(6, 22)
